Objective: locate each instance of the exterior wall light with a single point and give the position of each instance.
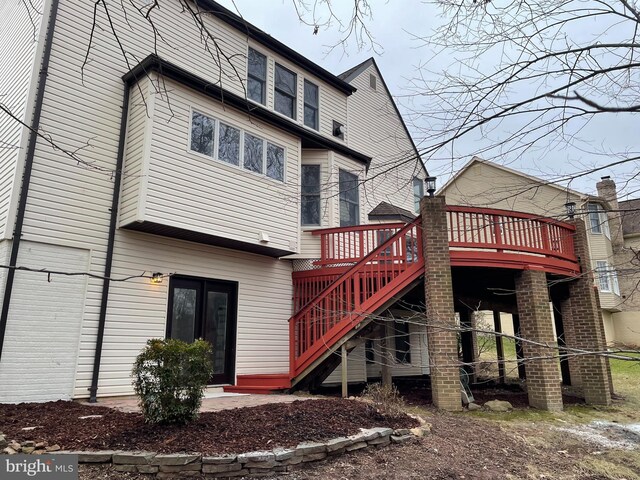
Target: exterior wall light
(571, 209)
(156, 278)
(431, 185)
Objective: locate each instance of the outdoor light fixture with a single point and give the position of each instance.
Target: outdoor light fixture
(571, 209)
(431, 185)
(156, 278)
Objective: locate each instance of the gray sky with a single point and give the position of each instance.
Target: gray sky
(393, 26)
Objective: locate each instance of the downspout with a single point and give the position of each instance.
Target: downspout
(115, 200)
(28, 168)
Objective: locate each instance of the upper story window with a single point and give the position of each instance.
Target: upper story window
(216, 139)
(349, 199)
(418, 193)
(285, 91)
(310, 191)
(607, 277)
(598, 219)
(311, 105)
(257, 76)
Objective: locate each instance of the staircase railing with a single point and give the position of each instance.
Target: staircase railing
(343, 303)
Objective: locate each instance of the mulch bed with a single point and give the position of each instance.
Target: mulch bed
(227, 431)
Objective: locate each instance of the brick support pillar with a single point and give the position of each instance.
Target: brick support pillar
(536, 324)
(441, 323)
(588, 326)
(570, 341)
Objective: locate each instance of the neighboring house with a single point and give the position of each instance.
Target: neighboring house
(486, 184)
(206, 171)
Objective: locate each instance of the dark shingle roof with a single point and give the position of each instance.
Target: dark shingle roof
(631, 218)
(386, 211)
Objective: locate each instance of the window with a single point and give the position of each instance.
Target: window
(236, 147)
(285, 92)
(369, 352)
(310, 190)
(418, 193)
(253, 156)
(202, 135)
(607, 277)
(257, 76)
(349, 199)
(275, 162)
(598, 219)
(311, 105)
(372, 81)
(403, 342)
(229, 144)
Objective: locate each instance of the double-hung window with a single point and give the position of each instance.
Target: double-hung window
(257, 76)
(349, 199)
(418, 193)
(310, 190)
(218, 140)
(607, 277)
(598, 219)
(285, 91)
(311, 105)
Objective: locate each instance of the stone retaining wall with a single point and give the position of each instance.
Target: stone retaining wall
(244, 464)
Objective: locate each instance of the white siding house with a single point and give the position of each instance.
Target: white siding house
(165, 162)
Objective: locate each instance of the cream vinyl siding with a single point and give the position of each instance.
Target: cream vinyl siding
(41, 343)
(18, 42)
(333, 103)
(138, 309)
(182, 188)
(375, 129)
(483, 185)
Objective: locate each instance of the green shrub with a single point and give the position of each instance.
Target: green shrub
(169, 378)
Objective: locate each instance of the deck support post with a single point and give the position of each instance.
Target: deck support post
(469, 341)
(497, 326)
(539, 345)
(345, 371)
(588, 327)
(387, 353)
(522, 371)
(442, 329)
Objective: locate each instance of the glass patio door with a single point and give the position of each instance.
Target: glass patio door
(200, 308)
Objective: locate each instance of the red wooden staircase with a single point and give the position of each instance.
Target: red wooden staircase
(336, 301)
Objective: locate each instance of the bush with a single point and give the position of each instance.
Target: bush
(169, 378)
(387, 399)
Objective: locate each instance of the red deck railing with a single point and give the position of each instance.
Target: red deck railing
(355, 294)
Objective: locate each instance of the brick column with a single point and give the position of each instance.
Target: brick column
(441, 323)
(570, 341)
(536, 324)
(588, 326)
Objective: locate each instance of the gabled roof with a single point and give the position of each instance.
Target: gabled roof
(630, 220)
(356, 71)
(267, 40)
(537, 180)
(386, 211)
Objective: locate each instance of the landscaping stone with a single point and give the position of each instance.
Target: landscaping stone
(190, 467)
(174, 459)
(401, 438)
(498, 406)
(266, 464)
(401, 431)
(147, 468)
(28, 450)
(90, 416)
(28, 443)
(213, 468)
(3, 442)
(104, 456)
(38, 451)
(307, 448)
(53, 448)
(473, 407)
(125, 468)
(339, 443)
(15, 445)
(386, 440)
(367, 434)
(132, 458)
(28, 429)
(283, 453)
(314, 457)
(417, 432)
(256, 457)
(10, 451)
(41, 445)
(291, 461)
(220, 460)
(356, 446)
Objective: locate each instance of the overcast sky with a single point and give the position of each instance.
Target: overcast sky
(394, 25)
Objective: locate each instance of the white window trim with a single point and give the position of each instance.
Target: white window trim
(313, 82)
(216, 122)
(603, 220)
(605, 271)
(296, 97)
(266, 75)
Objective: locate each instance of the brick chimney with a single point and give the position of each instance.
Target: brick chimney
(607, 190)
